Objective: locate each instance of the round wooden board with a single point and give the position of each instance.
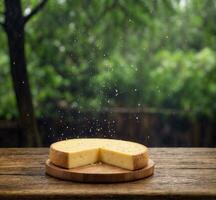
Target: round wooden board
(99, 173)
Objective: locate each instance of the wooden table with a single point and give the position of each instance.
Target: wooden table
(181, 173)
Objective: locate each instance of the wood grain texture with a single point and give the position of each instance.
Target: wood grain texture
(99, 173)
(180, 173)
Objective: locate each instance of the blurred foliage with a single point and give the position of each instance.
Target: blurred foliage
(95, 54)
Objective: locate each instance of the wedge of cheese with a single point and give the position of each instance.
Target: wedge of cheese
(80, 152)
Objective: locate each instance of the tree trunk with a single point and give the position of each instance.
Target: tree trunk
(14, 26)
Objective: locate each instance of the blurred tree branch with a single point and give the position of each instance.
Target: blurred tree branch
(35, 10)
(105, 11)
(107, 8)
(130, 14)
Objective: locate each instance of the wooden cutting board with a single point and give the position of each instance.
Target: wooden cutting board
(99, 173)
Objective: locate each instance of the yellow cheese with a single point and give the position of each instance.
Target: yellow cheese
(80, 152)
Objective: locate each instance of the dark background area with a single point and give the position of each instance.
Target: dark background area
(137, 70)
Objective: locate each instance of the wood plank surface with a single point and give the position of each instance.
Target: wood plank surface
(180, 173)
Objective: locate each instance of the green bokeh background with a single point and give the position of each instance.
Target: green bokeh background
(91, 55)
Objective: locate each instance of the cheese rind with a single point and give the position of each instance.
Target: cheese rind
(79, 152)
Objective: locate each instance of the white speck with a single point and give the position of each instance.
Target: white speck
(62, 48)
(135, 89)
(27, 11)
(137, 118)
(139, 104)
(72, 26)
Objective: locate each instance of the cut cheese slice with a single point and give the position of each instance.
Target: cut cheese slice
(80, 152)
